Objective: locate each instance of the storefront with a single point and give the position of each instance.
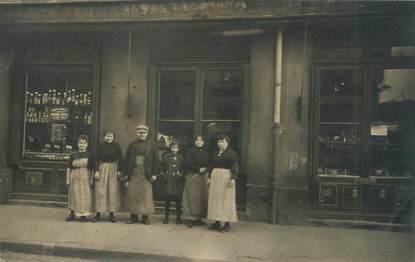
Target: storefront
(363, 125)
(318, 108)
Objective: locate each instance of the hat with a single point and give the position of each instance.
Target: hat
(142, 127)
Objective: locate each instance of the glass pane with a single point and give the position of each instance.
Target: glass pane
(392, 123)
(339, 149)
(181, 131)
(212, 129)
(58, 110)
(177, 94)
(222, 94)
(340, 96)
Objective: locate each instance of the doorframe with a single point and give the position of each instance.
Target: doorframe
(153, 104)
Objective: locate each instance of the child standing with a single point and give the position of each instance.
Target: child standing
(79, 178)
(107, 187)
(195, 187)
(172, 167)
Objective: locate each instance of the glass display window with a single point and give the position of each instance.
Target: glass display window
(58, 108)
(392, 122)
(340, 122)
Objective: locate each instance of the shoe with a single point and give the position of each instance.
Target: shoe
(112, 219)
(146, 220)
(225, 228)
(69, 218)
(214, 226)
(83, 219)
(189, 224)
(178, 221)
(165, 220)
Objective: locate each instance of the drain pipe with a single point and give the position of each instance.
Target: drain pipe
(276, 124)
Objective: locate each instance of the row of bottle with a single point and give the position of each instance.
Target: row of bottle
(54, 97)
(34, 115)
(37, 116)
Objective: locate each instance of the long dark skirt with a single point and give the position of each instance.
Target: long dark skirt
(195, 196)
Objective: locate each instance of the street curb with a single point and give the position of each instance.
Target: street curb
(88, 253)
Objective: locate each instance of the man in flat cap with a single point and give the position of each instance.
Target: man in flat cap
(142, 167)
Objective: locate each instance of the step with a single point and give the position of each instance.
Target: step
(48, 200)
(38, 196)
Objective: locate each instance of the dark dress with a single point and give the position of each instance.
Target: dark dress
(81, 165)
(142, 162)
(107, 187)
(195, 187)
(172, 168)
(222, 197)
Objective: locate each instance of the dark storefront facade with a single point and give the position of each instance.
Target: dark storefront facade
(317, 102)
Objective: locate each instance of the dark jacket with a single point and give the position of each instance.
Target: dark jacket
(227, 160)
(197, 158)
(80, 155)
(172, 164)
(151, 159)
(109, 152)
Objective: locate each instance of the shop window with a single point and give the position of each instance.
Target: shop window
(392, 123)
(366, 122)
(200, 101)
(58, 108)
(340, 127)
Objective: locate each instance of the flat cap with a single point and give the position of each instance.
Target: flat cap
(142, 127)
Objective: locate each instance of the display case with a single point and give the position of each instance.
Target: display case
(364, 146)
(53, 105)
(58, 108)
(340, 127)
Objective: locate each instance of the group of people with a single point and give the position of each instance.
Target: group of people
(204, 182)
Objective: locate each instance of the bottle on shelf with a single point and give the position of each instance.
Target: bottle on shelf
(58, 98)
(73, 96)
(89, 99)
(54, 97)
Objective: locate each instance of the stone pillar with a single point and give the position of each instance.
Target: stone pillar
(5, 63)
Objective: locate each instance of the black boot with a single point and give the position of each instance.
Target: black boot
(189, 223)
(70, 217)
(146, 220)
(178, 211)
(83, 219)
(166, 212)
(133, 219)
(226, 227)
(112, 218)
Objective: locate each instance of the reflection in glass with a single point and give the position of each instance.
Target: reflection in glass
(177, 94)
(222, 94)
(392, 149)
(180, 131)
(340, 96)
(212, 129)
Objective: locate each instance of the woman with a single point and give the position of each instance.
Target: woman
(195, 191)
(107, 187)
(222, 201)
(79, 178)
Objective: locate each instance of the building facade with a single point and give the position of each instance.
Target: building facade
(317, 97)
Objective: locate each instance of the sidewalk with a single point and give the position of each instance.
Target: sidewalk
(248, 241)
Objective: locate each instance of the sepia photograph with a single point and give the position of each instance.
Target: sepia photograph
(207, 130)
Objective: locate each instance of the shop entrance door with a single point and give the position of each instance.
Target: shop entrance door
(203, 100)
